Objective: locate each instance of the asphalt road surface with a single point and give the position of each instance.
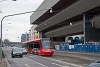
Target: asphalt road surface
(30, 60)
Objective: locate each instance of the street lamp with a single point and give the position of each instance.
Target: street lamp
(6, 23)
(5, 30)
(14, 0)
(16, 15)
(6, 0)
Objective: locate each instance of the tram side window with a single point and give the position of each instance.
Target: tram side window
(36, 45)
(30, 46)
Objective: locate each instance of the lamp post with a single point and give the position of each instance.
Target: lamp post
(1, 41)
(16, 15)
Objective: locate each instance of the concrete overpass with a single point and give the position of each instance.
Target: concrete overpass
(84, 16)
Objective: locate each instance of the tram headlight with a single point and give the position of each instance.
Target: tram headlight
(43, 50)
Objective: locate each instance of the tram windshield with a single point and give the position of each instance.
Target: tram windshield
(46, 44)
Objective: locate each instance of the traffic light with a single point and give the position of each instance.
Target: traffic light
(14, 0)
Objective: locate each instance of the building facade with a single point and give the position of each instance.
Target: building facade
(33, 33)
(25, 37)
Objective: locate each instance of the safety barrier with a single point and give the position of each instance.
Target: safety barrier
(81, 48)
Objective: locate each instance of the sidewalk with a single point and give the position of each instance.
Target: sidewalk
(3, 63)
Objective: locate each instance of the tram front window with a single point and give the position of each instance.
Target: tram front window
(46, 44)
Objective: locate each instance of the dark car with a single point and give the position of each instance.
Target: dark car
(16, 52)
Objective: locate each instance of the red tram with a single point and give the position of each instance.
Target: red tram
(42, 47)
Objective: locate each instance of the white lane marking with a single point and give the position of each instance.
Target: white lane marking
(26, 65)
(34, 56)
(31, 56)
(59, 65)
(36, 62)
(62, 62)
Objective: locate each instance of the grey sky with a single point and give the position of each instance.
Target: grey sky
(19, 24)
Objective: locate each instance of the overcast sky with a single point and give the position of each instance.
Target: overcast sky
(19, 24)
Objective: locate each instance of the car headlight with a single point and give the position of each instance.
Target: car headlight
(14, 53)
(21, 52)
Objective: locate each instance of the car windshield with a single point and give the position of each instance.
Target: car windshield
(16, 50)
(23, 49)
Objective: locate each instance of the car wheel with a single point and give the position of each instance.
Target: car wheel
(21, 56)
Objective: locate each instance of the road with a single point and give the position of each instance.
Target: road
(30, 60)
(88, 56)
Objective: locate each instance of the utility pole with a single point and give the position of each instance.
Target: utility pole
(14, 0)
